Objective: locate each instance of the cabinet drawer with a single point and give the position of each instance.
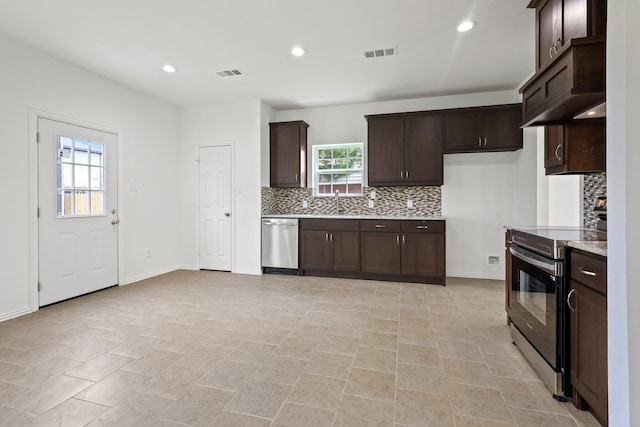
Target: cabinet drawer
(381, 225)
(435, 226)
(329, 224)
(590, 271)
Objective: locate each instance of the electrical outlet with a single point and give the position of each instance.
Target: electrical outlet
(409, 203)
(493, 260)
(371, 203)
(305, 204)
(373, 194)
(498, 214)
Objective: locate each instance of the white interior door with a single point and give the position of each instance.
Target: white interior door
(77, 202)
(215, 208)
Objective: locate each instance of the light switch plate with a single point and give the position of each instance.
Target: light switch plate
(305, 204)
(371, 203)
(373, 195)
(409, 203)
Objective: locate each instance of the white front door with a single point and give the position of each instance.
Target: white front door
(215, 208)
(77, 202)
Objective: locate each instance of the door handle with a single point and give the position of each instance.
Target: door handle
(227, 214)
(569, 300)
(557, 155)
(115, 222)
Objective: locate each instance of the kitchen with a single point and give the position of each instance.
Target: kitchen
(245, 121)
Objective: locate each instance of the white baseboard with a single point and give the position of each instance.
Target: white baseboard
(16, 313)
(251, 271)
(148, 275)
(468, 275)
(187, 267)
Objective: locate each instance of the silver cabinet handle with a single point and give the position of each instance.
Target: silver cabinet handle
(397, 240)
(485, 141)
(381, 226)
(403, 239)
(326, 237)
(406, 175)
(479, 141)
(557, 155)
(422, 227)
(569, 300)
(296, 177)
(587, 272)
(551, 52)
(331, 237)
(401, 174)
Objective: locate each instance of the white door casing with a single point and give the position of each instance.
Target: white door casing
(77, 254)
(215, 220)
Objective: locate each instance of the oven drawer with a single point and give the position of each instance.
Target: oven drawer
(590, 271)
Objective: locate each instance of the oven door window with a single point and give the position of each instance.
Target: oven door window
(534, 307)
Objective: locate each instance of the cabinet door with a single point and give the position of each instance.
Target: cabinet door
(553, 147)
(345, 247)
(574, 20)
(423, 254)
(380, 252)
(385, 151)
(462, 132)
(315, 250)
(589, 349)
(423, 150)
(286, 144)
(547, 24)
(501, 129)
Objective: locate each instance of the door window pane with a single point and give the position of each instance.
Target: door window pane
(80, 187)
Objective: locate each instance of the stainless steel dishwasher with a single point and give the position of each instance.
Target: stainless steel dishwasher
(280, 245)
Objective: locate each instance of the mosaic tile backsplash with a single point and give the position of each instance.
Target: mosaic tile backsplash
(389, 201)
(594, 185)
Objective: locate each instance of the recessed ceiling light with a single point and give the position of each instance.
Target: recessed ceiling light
(298, 51)
(466, 26)
(169, 68)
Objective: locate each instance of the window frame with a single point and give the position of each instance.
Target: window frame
(316, 174)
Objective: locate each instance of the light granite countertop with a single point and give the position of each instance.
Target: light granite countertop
(379, 217)
(598, 248)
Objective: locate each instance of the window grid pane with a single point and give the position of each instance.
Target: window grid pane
(338, 168)
(80, 177)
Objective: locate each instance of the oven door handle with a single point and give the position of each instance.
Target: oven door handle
(549, 267)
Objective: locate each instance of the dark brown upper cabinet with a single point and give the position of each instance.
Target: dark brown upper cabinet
(575, 147)
(405, 149)
(288, 154)
(570, 61)
(494, 128)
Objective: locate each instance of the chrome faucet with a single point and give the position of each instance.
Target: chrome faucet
(337, 202)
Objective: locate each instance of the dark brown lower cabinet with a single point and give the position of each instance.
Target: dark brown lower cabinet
(330, 245)
(588, 305)
(409, 251)
(423, 254)
(380, 252)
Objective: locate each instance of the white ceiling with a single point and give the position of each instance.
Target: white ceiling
(130, 40)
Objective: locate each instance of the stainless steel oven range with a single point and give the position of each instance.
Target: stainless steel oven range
(539, 286)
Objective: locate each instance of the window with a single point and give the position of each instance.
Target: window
(338, 167)
(80, 177)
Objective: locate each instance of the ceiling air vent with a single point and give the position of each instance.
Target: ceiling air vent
(230, 73)
(380, 52)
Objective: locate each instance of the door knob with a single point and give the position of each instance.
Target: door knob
(227, 214)
(115, 222)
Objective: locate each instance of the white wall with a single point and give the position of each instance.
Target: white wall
(623, 205)
(240, 124)
(476, 185)
(32, 80)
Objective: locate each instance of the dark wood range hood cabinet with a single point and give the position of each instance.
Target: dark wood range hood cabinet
(569, 80)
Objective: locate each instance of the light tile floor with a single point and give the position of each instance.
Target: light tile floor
(202, 348)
